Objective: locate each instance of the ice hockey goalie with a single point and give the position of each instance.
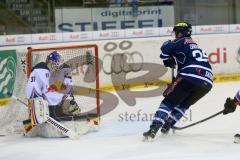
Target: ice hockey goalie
(50, 93)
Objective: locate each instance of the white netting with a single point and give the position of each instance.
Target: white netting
(13, 113)
(82, 62)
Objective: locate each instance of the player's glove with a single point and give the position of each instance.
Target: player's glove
(229, 106)
(170, 62)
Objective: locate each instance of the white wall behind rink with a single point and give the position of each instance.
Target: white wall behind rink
(222, 49)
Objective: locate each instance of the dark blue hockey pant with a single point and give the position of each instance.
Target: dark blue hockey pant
(178, 98)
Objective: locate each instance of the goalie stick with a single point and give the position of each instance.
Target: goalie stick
(198, 122)
(60, 127)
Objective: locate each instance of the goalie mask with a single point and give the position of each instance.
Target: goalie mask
(54, 61)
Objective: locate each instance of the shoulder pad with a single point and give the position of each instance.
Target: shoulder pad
(166, 42)
(168, 45)
(41, 65)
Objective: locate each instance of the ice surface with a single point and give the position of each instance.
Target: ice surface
(120, 134)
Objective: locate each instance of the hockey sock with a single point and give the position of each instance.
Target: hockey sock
(162, 113)
(177, 113)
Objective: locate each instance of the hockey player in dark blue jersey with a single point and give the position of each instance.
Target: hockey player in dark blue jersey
(193, 80)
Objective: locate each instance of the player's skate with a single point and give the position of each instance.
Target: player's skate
(237, 138)
(167, 126)
(150, 134)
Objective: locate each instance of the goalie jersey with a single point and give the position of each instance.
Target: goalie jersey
(192, 61)
(52, 86)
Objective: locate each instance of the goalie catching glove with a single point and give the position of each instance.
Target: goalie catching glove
(74, 108)
(70, 106)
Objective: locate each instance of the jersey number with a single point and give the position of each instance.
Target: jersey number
(200, 56)
(33, 79)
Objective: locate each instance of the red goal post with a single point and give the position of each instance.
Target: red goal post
(86, 90)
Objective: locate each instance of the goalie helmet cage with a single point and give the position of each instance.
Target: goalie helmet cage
(76, 56)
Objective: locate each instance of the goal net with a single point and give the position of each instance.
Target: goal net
(83, 60)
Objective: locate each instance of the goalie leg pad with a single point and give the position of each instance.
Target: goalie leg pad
(39, 111)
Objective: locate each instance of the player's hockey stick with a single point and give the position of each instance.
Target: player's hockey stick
(203, 120)
(60, 127)
(173, 76)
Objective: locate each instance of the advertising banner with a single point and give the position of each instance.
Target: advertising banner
(95, 19)
(223, 52)
(47, 38)
(80, 36)
(8, 66)
(15, 39)
(223, 49)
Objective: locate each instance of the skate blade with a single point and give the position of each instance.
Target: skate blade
(164, 134)
(147, 139)
(236, 140)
